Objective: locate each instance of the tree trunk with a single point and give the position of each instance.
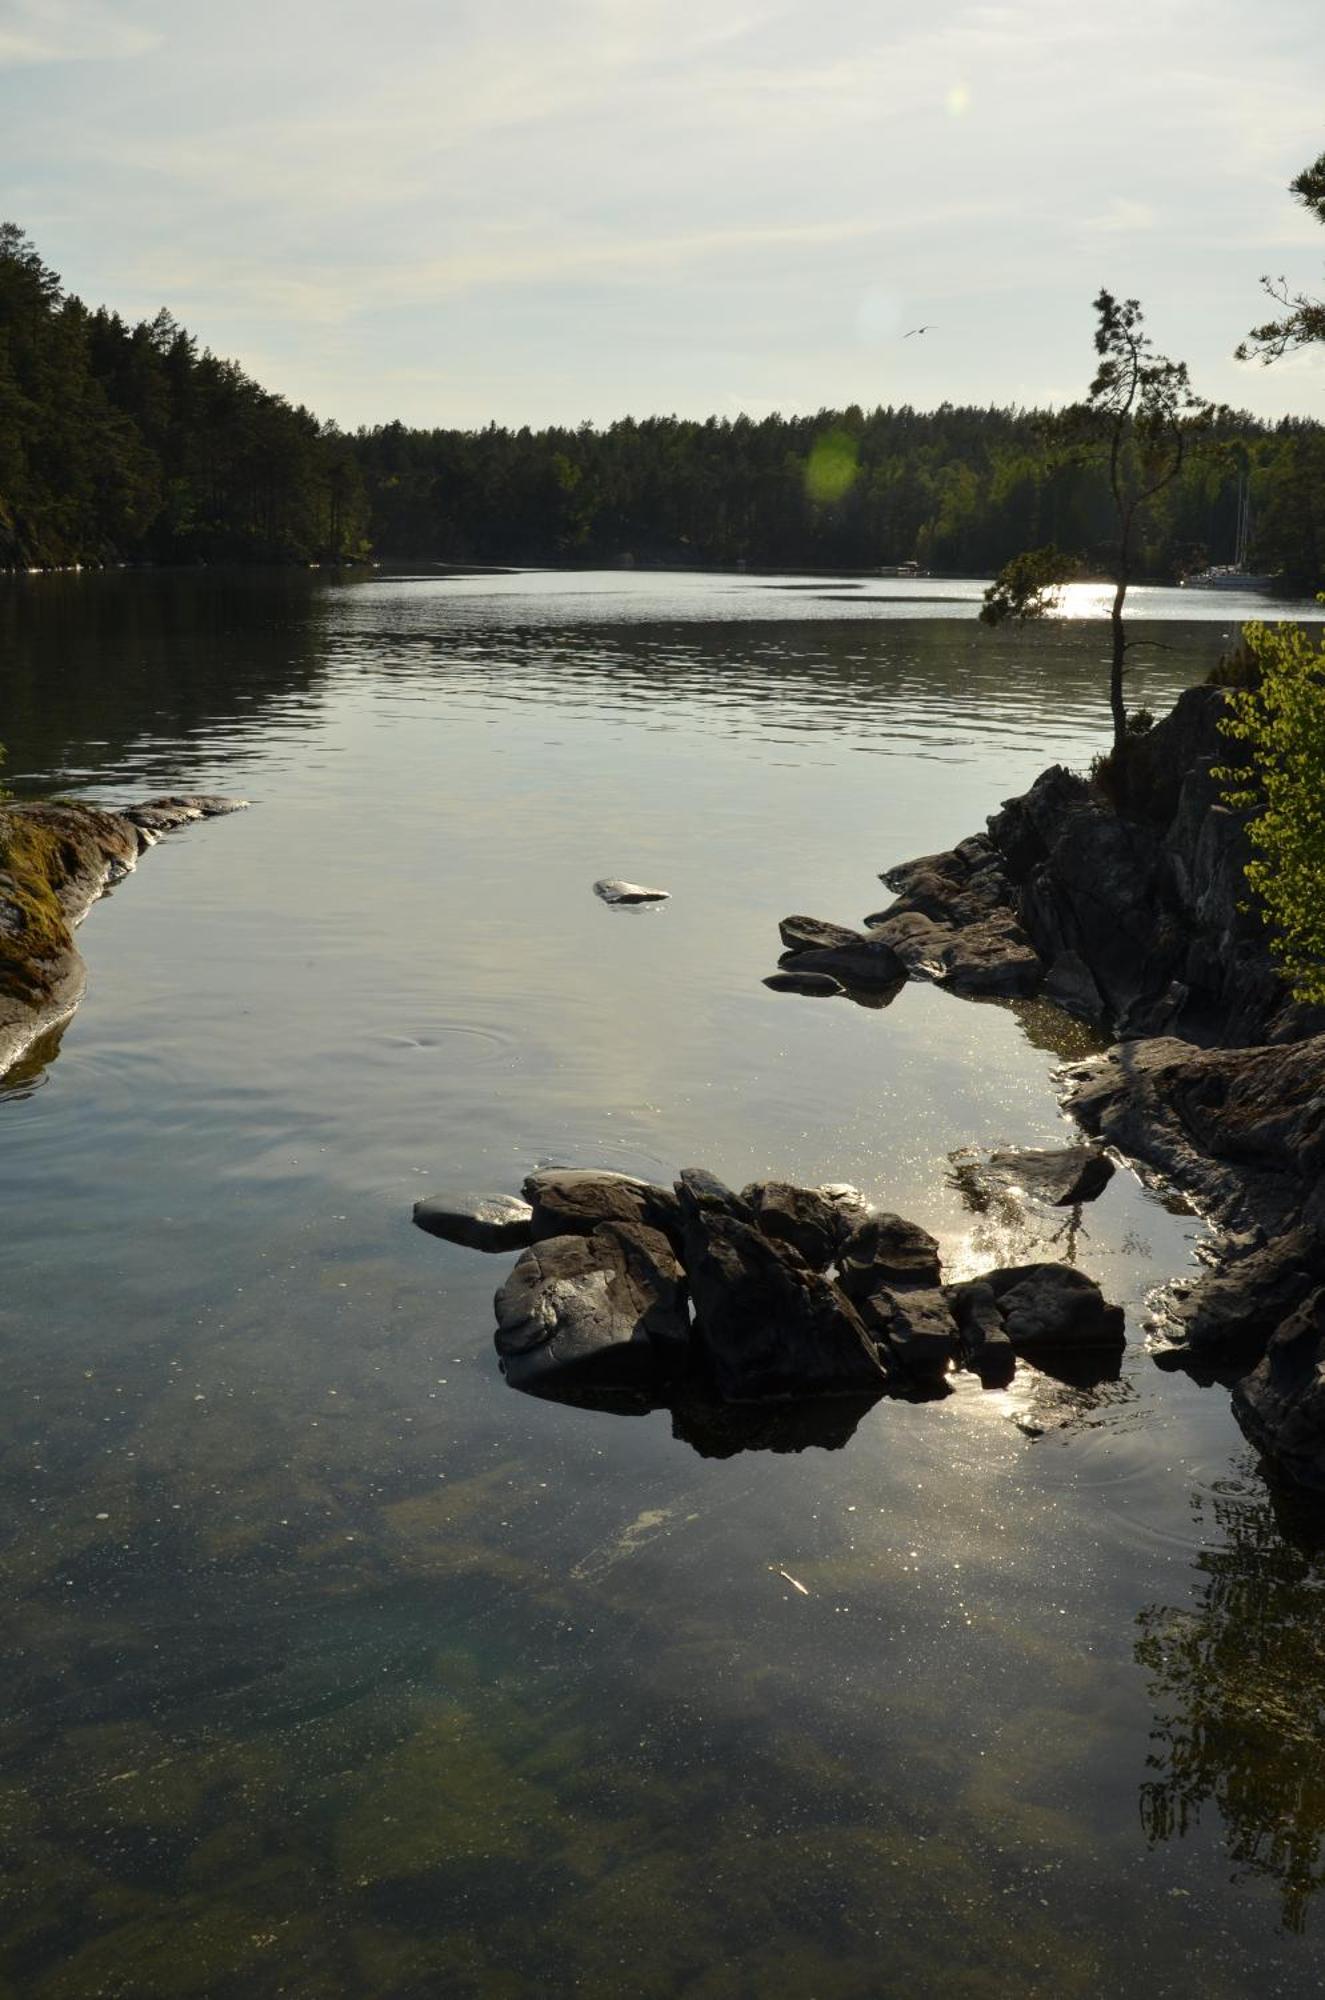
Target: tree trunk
(1116, 701)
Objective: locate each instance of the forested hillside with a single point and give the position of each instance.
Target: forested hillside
(130, 443)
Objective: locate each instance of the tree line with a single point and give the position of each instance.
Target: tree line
(133, 443)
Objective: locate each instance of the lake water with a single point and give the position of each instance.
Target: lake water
(334, 1667)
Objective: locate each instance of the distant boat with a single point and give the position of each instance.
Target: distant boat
(1234, 575)
(898, 569)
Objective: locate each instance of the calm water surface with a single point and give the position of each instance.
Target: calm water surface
(333, 1667)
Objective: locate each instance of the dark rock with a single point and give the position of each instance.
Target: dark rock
(1062, 1176)
(872, 964)
(984, 1338)
(1281, 1404)
(606, 1311)
(956, 921)
(814, 985)
(478, 1221)
(572, 1201)
(888, 1253)
(702, 1194)
(1047, 1305)
(1242, 1131)
(1234, 1311)
(814, 934)
(812, 1224)
(767, 1328)
(614, 891)
(917, 1328)
(1068, 983)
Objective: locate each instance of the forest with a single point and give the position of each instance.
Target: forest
(134, 444)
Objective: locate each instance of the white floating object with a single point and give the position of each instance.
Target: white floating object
(613, 891)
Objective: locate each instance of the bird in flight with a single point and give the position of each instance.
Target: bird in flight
(914, 331)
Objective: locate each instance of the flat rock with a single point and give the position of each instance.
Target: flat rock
(870, 964)
(612, 890)
(768, 1328)
(814, 985)
(887, 1253)
(572, 1201)
(1062, 1176)
(815, 934)
(478, 1221)
(606, 1312)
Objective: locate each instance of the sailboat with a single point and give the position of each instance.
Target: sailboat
(1234, 575)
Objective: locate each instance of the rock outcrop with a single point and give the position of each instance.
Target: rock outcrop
(778, 1297)
(1133, 913)
(56, 859)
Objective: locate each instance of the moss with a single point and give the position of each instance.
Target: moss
(34, 932)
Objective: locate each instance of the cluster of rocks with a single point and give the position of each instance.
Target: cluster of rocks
(777, 1294)
(1133, 912)
(56, 858)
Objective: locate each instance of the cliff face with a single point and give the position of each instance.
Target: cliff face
(55, 860)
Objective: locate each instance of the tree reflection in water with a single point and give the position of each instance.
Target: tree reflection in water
(1238, 1684)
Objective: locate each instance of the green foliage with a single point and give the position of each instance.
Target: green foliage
(1280, 722)
(127, 443)
(1303, 318)
(1030, 586)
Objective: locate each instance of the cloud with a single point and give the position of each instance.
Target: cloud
(55, 31)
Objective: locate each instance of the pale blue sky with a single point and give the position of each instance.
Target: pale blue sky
(456, 212)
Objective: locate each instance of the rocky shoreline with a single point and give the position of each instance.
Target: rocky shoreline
(56, 858)
(1137, 921)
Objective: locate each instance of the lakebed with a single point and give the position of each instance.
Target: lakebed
(339, 1669)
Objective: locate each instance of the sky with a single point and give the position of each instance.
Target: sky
(550, 211)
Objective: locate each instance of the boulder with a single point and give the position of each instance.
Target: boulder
(612, 890)
(888, 1253)
(808, 1220)
(767, 1328)
(1041, 1305)
(1062, 1175)
(1231, 1314)
(606, 1311)
(814, 985)
(478, 1221)
(572, 1201)
(917, 1328)
(988, 1351)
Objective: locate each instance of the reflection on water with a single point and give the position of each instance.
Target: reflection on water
(1238, 1683)
(334, 1668)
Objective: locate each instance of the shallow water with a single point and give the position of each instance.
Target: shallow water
(336, 1669)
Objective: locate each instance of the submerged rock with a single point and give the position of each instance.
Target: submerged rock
(614, 891)
(606, 1311)
(478, 1221)
(1062, 1176)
